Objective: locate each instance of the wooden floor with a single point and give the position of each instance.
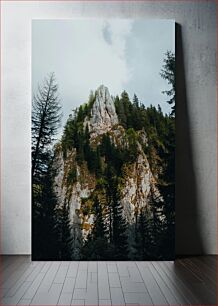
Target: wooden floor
(188, 281)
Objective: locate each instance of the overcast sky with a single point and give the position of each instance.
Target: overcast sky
(119, 53)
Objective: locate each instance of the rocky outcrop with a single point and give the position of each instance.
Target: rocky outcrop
(103, 114)
(73, 193)
(137, 186)
(137, 177)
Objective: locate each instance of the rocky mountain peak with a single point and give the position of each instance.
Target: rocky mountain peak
(103, 114)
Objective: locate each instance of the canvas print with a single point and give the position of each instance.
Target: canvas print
(103, 139)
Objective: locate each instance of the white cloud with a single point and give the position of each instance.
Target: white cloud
(81, 57)
(119, 30)
(119, 53)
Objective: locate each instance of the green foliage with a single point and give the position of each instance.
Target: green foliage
(159, 128)
(124, 109)
(155, 225)
(44, 201)
(113, 156)
(63, 228)
(72, 176)
(168, 73)
(96, 245)
(117, 222)
(158, 225)
(108, 238)
(144, 236)
(132, 138)
(74, 135)
(46, 118)
(90, 103)
(151, 232)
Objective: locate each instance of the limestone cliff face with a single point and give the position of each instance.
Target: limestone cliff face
(103, 113)
(138, 182)
(137, 178)
(72, 193)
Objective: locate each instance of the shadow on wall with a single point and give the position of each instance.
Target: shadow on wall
(188, 227)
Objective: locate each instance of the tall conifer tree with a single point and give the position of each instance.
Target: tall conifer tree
(46, 116)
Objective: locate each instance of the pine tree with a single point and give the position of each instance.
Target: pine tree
(118, 225)
(168, 231)
(135, 101)
(64, 232)
(119, 105)
(168, 175)
(96, 245)
(127, 106)
(45, 123)
(46, 118)
(44, 236)
(157, 222)
(168, 73)
(68, 138)
(143, 237)
(137, 114)
(80, 157)
(98, 165)
(119, 229)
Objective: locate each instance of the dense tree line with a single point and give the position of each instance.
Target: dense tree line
(108, 238)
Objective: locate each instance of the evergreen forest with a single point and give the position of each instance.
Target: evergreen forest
(83, 206)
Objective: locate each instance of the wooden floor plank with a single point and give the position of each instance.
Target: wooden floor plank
(203, 289)
(104, 302)
(5, 262)
(16, 265)
(140, 298)
(167, 291)
(73, 268)
(194, 289)
(81, 279)
(20, 280)
(103, 282)
(91, 294)
(48, 298)
(18, 296)
(61, 274)
(130, 286)
(151, 284)
(30, 293)
(69, 285)
(24, 302)
(65, 299)
(117, 297)
(172, 283)
(79, 293)
(114, 280)
(49, 277)
(188, 281)
(16, 274)
(78, 302)
(92, 266)
(112, 267)
(209, 261)
(123, 269)
(134, 273)
(201, 270)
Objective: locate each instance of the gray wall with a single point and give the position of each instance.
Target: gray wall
(196, 113)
